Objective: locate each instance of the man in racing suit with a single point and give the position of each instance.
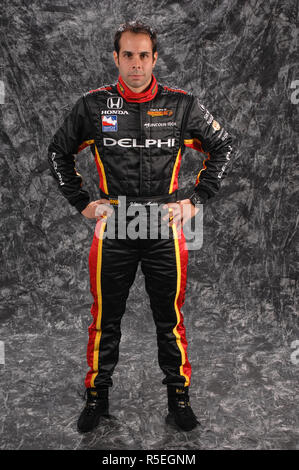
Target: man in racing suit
(137, 130)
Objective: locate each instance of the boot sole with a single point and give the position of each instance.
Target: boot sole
(97, 422)
(171, 421)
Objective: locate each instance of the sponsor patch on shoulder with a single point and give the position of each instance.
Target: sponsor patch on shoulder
(216, 125)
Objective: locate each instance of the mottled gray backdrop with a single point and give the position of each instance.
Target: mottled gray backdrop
(241, 58)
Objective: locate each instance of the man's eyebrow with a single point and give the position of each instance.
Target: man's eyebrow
(130, 52)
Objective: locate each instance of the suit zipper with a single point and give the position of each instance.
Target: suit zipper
(141, 138)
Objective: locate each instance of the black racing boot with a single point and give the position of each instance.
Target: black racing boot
(97, 405)
(180, 411)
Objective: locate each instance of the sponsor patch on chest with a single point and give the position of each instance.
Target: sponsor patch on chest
(109, 123)
(160, 112)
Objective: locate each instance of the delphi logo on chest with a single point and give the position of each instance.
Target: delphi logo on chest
(133, 142)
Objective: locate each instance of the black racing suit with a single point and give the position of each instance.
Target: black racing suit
(137, 147)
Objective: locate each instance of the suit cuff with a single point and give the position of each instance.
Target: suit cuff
(201, 193)
(81, 205)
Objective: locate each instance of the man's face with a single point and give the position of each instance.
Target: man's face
(135, 61)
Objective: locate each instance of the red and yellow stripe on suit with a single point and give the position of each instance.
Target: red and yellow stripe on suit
(113, 264)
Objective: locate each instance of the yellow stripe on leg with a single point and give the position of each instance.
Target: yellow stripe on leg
(175, 330)
(99, 317)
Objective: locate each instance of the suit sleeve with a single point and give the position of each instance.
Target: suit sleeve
(204, 134)
(74, 134)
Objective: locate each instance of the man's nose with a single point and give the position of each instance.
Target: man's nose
(137, 63)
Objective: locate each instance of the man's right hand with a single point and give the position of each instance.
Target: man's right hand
(99, 209)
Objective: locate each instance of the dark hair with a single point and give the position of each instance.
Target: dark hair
(136, 27)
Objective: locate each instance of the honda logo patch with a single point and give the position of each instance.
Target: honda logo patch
(115, 103)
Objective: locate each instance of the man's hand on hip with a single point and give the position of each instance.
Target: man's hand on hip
(180, 212)
(99, 209)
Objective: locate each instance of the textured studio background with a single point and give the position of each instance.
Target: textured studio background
(241, 58)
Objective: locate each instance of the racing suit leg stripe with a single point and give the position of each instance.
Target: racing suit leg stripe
(174, 178)
(100, 166)
(97, 338)
(179, 330)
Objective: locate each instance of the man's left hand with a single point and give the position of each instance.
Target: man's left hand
(180, 212)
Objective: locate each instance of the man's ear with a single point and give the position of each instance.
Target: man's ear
(115, 57)
(155, 58)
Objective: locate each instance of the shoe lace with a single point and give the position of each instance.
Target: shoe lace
(91, 403)
(90, 407)
(183, 402)
(184, 406)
